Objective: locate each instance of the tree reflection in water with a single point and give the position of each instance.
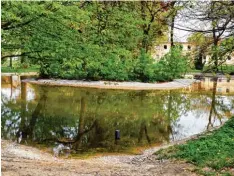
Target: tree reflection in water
(86, 119)
(217, 108)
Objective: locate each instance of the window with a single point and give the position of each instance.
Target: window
(229, 58)
(189, 47)
(227, 90)
(165, 46)
(219, 89)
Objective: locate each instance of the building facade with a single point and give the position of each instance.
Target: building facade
(163, 48)
(188, 48)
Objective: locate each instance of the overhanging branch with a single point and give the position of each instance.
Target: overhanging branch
(19, 55)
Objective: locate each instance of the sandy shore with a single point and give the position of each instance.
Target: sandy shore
(20, 160)
(20, 74)
(176, 84)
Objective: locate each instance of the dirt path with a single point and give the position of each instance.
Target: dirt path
(24, 160)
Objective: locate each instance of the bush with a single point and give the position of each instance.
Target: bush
(144, 70)
(118, 68)
(172, 65)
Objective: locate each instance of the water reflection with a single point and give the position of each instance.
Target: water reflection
(86, 119)
(224, 86)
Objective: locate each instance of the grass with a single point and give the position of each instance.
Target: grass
(19, 70)
(213, 153)
(227, 69)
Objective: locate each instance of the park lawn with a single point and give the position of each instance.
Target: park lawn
(212, 153)
(20, 70)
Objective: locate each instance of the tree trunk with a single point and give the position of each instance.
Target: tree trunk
(199, 64)
(11, 65)
(212, 103)
(36, 114)
(169, 110)
(23, 110)
(172, 31)
(216, 55)
(22, 59)
(173, 23)
(81, 122)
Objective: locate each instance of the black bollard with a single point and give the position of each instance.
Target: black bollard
(117, 135)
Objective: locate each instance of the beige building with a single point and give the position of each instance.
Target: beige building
(229, 59)
(163, 48)
(160, 50)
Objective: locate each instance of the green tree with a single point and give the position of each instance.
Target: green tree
(84, 40)
(203, 44)
(153, 25)
(215, 19)
(172, 65)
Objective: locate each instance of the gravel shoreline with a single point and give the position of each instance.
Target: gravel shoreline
(19, 159)
(25, 160)
(176, 84)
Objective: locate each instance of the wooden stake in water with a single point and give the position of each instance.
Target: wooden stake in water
(117, 136)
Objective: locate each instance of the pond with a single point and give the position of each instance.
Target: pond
(86, 120)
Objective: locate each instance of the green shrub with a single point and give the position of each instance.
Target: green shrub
(144, 70)
(116, 67)
(172, 65)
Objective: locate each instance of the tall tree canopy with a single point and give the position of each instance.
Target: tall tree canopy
(87, 39)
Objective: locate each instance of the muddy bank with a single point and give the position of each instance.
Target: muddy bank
(176, 84)
(20, 160)
(24, 160)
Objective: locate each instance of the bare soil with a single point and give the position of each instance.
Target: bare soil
(21, 160)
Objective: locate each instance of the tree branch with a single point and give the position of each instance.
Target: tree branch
(19, 55)
(7, 27)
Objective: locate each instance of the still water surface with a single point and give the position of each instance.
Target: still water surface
(86, 119)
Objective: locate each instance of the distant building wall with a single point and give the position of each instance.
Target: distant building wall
(161, 49)
(229, 60)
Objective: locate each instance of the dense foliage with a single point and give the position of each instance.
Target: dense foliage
(172, 65)
(89, 40)
(203, 44)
